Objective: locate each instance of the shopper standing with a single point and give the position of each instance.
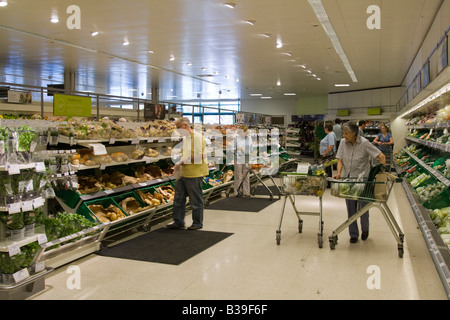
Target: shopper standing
(362, 126)
(327, 147)
(194, 166)
(242, 145)
(353, 161)
(385, 141)
(337, 131)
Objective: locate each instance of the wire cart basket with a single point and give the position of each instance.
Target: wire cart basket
(304, 185)
(376, 195)
(260, 170)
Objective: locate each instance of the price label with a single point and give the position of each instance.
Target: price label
(13, 169)
(21, 275)
(42, 238)
(14, 207)
(38, 202)
(13, 249)
(40, 266)
(135, 141)
(161, 140)
(112, 141)
(27, 206)
(40, 166)
(99, 149)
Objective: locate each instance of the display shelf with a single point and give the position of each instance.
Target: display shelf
(8, 244)
(86, 143)
(439, 252)
(434, 172)
(26, 288)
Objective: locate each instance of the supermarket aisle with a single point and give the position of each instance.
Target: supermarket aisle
(249, 264)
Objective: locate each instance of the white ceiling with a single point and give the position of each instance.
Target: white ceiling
(209, 35)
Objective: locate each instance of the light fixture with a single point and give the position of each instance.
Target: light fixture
(256, 94)
(151, 51)
(278, 83)
(266, 98)
(290, 94)
(430, 98)
(172, 58)
(318, 79)
(54, 20)
(321, 14)
(265, 35)
(237, 80)
(189, 64)
(94, 33)
(3, 3)
(126, 43)
(303, 66)
(279, 45)
(230, 5)
(342, 85)
(250, 22)
(287, 54)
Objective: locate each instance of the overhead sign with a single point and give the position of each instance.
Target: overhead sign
(343, 113)
(72, 106)
(374, 111)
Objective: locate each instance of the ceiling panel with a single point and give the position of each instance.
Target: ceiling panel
(224, 53)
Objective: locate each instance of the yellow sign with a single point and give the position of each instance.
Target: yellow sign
(72, 106)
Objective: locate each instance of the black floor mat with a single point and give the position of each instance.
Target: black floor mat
(165, 246)
(242, 204)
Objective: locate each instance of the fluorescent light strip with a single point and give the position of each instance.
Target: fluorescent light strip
(321, 14)
(430, 98)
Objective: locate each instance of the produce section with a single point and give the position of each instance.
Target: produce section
(425, 164)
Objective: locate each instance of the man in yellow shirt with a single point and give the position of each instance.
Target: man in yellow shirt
(194, 166)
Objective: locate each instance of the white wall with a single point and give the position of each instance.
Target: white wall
(274, 107)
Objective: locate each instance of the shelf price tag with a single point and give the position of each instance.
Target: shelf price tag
(21, 275)
(40, 166)
(14, 207)
(42, 238)
(13, 169)
(38, 202)
(13, 249)
(40, 266)
(99, 149)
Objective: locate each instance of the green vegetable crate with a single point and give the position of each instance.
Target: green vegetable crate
(88, 214)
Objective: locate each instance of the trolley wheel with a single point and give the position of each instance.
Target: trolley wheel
(146, 227)
(400, 251)
(320, 236)
(278, 237)
(333, 242)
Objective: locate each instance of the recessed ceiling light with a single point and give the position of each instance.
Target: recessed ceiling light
(237, 80)
(94, 33)
(342, 85)
(250, 22)
(287, 54)
(265, 35)
(290, 94)
(279, 45)
(303, 66)
(216, 73)
(189, 64)
(203, 69)
(54, 20)
(256, 94)
(278, 83)
(309, 71)
(151, 51)
(318, 79)
(126, 43)
(4, 3)
(172, 58)
(230, 5)
(266, 97)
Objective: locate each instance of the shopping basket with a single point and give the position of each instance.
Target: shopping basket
(303, 185)
(374, 192)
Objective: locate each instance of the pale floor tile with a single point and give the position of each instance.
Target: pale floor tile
(250, 265)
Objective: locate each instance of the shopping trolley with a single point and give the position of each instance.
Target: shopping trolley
(258, 171)
(304, 185)
(376, 193)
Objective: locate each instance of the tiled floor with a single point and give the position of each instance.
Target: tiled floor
(250, 265)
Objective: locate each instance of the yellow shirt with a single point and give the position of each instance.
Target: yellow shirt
(194, 156)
